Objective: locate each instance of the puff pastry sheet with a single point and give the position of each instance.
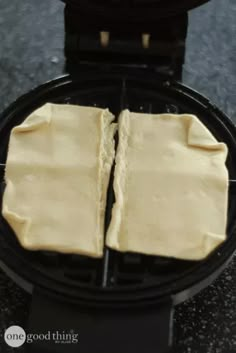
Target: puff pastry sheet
(171, 187)
(57, 173)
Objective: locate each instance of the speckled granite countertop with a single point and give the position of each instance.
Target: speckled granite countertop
(31, 52)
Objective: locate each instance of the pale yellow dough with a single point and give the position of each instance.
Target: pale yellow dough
(57, 173)
(171, 187)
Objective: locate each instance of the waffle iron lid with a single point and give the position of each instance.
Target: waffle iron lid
(135, 10)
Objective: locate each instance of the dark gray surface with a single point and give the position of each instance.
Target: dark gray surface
(31, 52)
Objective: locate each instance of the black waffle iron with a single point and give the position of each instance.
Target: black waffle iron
(122, 302)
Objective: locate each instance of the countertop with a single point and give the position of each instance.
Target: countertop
(31, 52)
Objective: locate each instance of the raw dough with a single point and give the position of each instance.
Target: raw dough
(57, 173)
(171, 187)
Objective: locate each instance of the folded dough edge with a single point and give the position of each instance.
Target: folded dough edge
(106, 157)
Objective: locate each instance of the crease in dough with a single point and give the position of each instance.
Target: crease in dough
(57, 174)
(20, 225)
(199, 136)
(171, 187)
(35, 121)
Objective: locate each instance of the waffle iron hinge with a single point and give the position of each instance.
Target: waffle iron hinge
(105, 37)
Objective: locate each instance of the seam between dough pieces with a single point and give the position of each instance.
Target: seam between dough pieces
(105, 160)
(119, 181)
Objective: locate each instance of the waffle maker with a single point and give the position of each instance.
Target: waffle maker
(120, 54)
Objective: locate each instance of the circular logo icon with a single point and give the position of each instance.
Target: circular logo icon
(15, 336)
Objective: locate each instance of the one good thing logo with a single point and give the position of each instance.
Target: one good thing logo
(15, 336)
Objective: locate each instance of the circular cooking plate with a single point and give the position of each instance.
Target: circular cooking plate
(117, 279)
(134, 10)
